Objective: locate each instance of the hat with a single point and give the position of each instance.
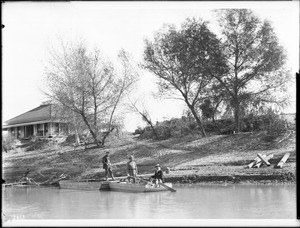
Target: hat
(157, 165)
(107, 152)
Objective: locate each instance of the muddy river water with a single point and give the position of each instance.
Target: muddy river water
(189, 202)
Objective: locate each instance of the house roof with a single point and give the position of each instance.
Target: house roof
(41, 113)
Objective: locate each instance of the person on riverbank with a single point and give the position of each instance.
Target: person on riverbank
(158, 175)
(131, 169)
(107, 166)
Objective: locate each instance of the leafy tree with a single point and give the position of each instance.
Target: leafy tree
(184, 60)
(255, 59)
(89, 86)
(209, 110)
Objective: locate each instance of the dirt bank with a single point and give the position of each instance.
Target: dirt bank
(215, 159)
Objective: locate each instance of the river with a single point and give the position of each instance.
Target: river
(189, 202)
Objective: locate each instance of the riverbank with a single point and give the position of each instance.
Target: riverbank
(192, 159)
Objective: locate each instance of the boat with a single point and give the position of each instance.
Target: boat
(117, 185)
(84, 184)
(137, 187)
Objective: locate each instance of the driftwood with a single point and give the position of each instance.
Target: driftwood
(263, 159)
(30, 181)
(15, 183)
(267, 158)
(282, 161)
(256, 160)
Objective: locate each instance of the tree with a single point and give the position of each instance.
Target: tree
(183, 60)
(89, 86)
(209, 110)
(73, 120)
(255, 59)
(144, 114)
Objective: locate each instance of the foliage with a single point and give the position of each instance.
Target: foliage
(256, 62)
(9, 142)
(184, 60)
(139, 130)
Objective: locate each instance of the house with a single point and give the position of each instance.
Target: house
(40, 121)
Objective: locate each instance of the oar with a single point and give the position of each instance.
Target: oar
(164, 185)
(167, 187)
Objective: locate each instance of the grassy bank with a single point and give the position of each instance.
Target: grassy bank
(191, 159)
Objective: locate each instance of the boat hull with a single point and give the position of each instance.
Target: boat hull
(130, 187)
(80, 185)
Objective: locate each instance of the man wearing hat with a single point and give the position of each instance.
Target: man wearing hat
(131, 168)
(107, 166)
(158, 174)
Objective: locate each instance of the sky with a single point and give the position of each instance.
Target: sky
(32, 28)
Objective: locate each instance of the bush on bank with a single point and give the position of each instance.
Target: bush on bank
(272, 123)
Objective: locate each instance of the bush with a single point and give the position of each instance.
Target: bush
(37, 144)
(138, 131)
(9, 142)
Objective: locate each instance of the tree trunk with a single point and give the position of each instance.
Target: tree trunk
(106, 135)
(154, 131)
(218, 129)
(77, 136)
(237, 117)
(197, 120)
(91, 131)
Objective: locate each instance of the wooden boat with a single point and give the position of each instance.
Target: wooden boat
(113, 186)
(84, 184)
(136, 187)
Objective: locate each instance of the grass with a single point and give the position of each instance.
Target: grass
(214, 155)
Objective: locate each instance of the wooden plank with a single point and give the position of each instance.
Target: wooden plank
(283, 160)
(267, 158)
(263, 159)
(257, 159)
(258, 164)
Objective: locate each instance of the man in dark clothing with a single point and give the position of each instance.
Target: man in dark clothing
(158, 175)
(107, 166)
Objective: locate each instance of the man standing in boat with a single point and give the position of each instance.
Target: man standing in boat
(158, 175)
(107, 166)
(131, 168)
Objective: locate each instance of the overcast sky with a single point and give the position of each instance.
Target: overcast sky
(31, 28)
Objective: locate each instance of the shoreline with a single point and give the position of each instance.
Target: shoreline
(216, 159)
(287, 178)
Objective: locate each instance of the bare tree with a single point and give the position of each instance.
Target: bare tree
(89, 86)
(144, 114)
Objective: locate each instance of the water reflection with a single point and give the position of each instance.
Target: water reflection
(189, 202)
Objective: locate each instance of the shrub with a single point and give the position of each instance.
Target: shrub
(9, 142)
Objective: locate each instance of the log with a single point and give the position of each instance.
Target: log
(257, 159)
(258, 164)
(263, 159)
(267, 158)
(16, 183)
(282, 161)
